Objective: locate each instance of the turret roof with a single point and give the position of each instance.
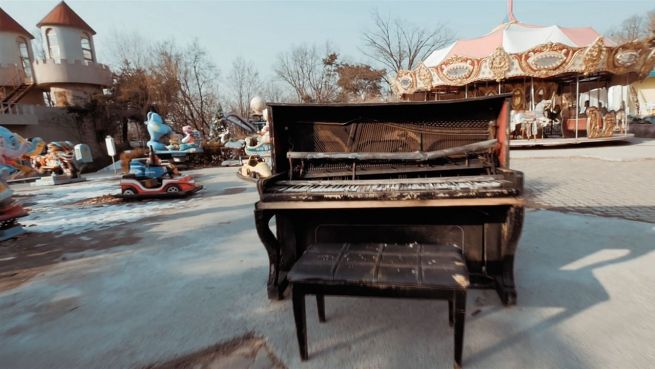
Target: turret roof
(63, 15)
(8, 24)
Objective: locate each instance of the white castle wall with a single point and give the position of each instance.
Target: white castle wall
(9, 48)
(10, 75)
(51, 124)
(10, 72)
(71, 72)
(69, 40)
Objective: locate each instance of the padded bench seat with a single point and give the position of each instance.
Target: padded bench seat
(381, 270)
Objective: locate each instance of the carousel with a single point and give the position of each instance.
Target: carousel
(568, 85)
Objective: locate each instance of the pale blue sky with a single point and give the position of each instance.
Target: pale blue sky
(258, 31)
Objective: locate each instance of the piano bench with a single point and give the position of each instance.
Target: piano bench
(420, 271)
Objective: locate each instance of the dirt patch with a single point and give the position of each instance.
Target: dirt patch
(246, 352)
(32, 253)
(233, 190)
(99, 201)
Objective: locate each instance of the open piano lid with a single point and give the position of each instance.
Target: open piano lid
(414, 128)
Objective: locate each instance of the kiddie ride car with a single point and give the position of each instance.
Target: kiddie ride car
(254, 168)
(149, 177)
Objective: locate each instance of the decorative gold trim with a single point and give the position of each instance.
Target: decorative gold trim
(546, 60)
(626, 57)
(594, 123)
(425, 76)
(648, 65)
(518, 98)
(499, 63)
(593, 56)
(543, 61)
(406, 81)
(609, 122)
(458, 69)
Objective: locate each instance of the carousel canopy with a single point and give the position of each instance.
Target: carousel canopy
(515, 38)
(518, 50)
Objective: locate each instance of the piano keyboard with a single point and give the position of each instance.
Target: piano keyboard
(472, 186)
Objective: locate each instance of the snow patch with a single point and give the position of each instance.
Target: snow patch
(54, 209)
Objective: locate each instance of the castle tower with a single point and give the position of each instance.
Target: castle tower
(71, 70)
(16, 73)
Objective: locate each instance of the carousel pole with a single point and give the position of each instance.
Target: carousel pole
(531, 93)
(625, 106)
(466, 91)
(577, 105)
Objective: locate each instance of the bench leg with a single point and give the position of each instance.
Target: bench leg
(450, 312)
(298, 298)
(460, 316)
(320, 303)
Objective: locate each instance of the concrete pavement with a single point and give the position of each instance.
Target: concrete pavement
(635, 149)
(191, 276)
(613, 181)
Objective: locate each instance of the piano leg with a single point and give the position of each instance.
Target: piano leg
(274, 288)
(505, 284)
(511, 233)
(320, 305)
(299, 315)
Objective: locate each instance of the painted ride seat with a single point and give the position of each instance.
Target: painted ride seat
(141, 170)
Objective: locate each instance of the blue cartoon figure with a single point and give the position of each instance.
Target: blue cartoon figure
(157, 129)
(13, 150)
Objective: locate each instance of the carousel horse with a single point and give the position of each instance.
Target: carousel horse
(541, 110)
(554, 115)
(620, 120)
(594, 122)
(157, 129)
(609, 121)
(524, 124)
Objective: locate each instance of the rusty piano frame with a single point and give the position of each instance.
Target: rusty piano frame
(485, 224)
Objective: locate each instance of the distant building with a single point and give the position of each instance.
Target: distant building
(645, 91)
(33, 90)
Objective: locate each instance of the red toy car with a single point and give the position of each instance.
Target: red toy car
(133, 187)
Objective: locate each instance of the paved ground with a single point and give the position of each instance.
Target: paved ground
(615, 181)
(634, 149)
(192, 275)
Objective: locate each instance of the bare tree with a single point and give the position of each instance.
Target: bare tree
(273, 92)
(197, 90)
(180, 82)
(398, 45)
(633, 28)
(131, 48)
(311, 76)
(244, 83)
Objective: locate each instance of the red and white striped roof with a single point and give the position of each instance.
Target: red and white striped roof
(515, 37)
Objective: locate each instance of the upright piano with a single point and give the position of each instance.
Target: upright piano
(397, 173)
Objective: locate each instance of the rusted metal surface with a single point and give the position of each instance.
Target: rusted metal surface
(403, 156)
